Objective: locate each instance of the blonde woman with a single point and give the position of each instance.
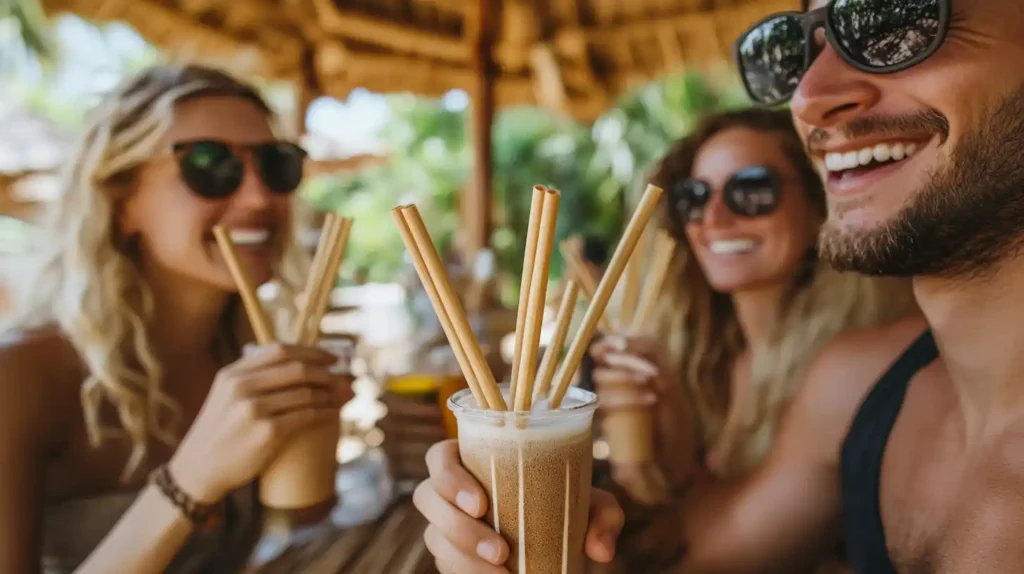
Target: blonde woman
(746, 310)
(132, 424)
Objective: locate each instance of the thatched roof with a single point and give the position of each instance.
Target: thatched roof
(574, 56)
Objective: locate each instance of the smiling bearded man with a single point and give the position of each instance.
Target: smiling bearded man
(967, 216)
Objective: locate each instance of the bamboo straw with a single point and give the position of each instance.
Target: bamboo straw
(325, 283)
(253, 308)
(536, 207)
(563, 321)
(451, 302)
(631, 286)
(648, 203)
(535, 302)
(661, 261)
(433, 293)
(584, 277)
(316, 271)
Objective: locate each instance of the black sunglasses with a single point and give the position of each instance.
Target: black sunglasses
(750, 192)
(214, 169)
(874, 36)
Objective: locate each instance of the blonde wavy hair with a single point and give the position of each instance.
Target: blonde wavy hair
(700, 326)
(84, 277)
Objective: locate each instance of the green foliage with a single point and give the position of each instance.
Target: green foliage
(32, 25)
(594, 167)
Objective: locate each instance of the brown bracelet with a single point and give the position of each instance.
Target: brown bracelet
(196, 512)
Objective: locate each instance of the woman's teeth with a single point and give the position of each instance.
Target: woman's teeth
(881, 153)
(732, 246)
(249, 236)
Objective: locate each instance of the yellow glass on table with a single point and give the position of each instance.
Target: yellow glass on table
(430, 388)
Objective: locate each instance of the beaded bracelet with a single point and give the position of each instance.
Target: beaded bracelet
(196, 512)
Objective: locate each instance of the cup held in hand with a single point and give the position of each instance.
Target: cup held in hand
(536, 468)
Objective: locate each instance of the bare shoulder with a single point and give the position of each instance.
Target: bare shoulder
(40, 372)
(842, 375)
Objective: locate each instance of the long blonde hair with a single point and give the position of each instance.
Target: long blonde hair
(700, 325)
(83, 277)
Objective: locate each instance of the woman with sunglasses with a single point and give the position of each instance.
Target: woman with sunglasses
(746, 309)
(133, 424)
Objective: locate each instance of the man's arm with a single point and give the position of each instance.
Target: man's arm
(786, 514)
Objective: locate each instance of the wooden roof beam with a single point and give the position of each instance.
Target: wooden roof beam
(520, 30)
(406, 73)
(198, 6)
(154, 20)
(547, 78)
(453, 6)
(389, 35)
(641, 28)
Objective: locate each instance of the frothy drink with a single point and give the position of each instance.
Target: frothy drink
(536, 468)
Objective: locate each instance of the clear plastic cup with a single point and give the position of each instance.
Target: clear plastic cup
(536, 468)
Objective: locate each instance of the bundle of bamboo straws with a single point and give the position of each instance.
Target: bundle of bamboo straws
(317, 293)
(629, 433)
(527, 382)
(635, 308)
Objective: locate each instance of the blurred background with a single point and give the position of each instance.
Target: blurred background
(459, 106)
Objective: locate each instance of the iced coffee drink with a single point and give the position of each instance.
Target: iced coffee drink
(536, 469)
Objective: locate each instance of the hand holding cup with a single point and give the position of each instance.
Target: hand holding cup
(454, 503)
(256, 405)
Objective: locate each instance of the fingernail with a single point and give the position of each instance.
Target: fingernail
(616, 342)
(488, 550)
(626, 361)
(467, 502)
(608, 540)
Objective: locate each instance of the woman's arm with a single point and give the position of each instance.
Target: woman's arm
(29, 408)
(146, 539)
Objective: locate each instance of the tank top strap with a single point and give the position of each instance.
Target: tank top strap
(861, 458)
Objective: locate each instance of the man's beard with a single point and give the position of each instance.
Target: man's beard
(968, 217)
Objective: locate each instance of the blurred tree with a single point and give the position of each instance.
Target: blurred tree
(593, 166)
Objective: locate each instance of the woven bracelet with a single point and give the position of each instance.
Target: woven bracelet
(196, 512)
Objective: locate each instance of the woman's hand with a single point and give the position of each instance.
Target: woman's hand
(628, 374)
(453, 502)
(255, 405)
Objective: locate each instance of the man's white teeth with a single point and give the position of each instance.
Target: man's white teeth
(732, 246)
(249, 236)
(881, 153)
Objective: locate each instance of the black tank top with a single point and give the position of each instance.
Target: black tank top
(861, 459)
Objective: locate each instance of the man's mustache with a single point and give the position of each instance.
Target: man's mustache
(928, 121)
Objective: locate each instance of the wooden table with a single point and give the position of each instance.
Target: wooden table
(392, 544)
(365, 534)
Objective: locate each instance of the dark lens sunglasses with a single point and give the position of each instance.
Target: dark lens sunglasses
(215, 169)
(873, 36)
(751, 192)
